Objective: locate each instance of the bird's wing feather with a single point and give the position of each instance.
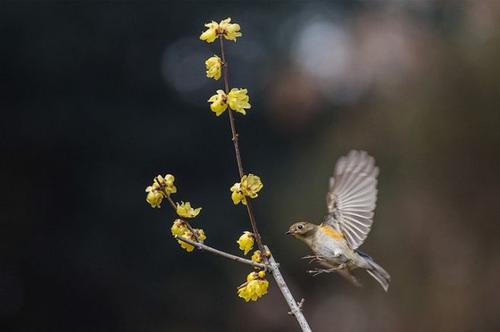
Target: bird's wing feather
(352, 196)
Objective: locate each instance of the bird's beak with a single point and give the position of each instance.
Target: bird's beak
(288, 233)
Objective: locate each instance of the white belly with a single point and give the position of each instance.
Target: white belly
(335, 251)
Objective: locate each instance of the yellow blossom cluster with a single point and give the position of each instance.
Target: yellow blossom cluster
(161, 187)
(249, 186)
(214, 65)
(229, 30)
(180, 228)
(255, 287)
(257, 256)
(246, 242)
(236, 99)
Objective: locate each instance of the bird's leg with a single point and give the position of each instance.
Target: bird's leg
(314, 258)
(316, 272)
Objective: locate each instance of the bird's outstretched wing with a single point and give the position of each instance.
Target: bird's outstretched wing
(352, 196)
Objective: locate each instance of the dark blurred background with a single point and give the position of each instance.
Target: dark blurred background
(99, 97)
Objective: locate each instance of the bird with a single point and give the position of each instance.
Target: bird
(351, 201)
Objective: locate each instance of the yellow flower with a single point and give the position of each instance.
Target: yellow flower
(178, 228)
(155, 195)
(161, 187)
(219, 104)
(201, 234)
(236, 195)
(167, 183)
(252, 276)
(257, 256)
(185, 210)
(238, 100)
(211, 33)
(214, 65)
(255, 287)
(230, 30)
(244, 293)
(246, 242)
(184, 245)
(187, 234)
(249, 186)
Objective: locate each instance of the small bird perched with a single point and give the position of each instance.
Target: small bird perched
(351, 199)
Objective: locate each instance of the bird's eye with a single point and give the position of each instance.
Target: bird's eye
(300, 227)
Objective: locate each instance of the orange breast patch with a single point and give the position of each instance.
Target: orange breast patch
(329, 231)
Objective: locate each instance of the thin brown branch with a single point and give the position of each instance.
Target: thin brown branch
(224, 64)
(225, 69)
(171, 202)
(273, 266)
(239, 162)
(256, 233)
(235, 139)
(224, 254)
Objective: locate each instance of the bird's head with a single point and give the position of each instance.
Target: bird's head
(302, 230)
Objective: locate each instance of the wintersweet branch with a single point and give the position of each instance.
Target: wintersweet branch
(239, 162)
(224, 254)
(273, 266)
(235, 100)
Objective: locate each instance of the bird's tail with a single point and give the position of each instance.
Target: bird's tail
(376, 271)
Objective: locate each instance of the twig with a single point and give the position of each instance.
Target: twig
(256, 233)
(295, 308)
(273, 266)
(300, 304)
(231, 118)
(171, 202)
(214, 251)
(251, 215)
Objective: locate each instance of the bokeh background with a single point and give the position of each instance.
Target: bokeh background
(99, 97)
